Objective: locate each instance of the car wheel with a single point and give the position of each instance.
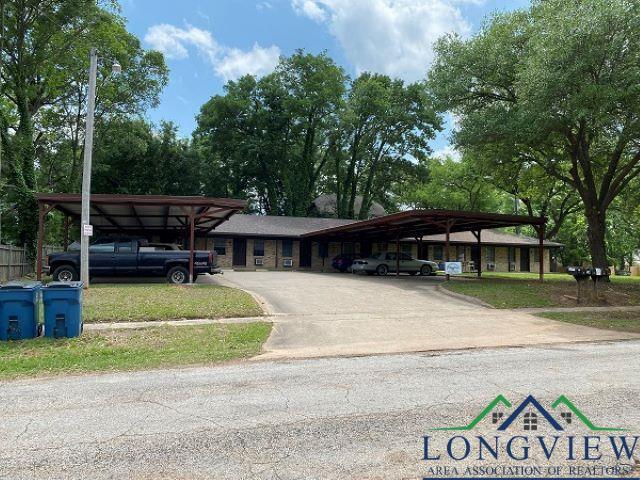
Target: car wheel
(382, 270)
(178, 275)
(65, 273)
(426, 270)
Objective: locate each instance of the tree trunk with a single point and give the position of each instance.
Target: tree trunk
(596, 233)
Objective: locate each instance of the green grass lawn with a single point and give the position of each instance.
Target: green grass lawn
(149, 302)
(136, 349)
(516, 290)
(621, 321)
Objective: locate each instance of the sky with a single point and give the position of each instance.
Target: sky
(207, 43)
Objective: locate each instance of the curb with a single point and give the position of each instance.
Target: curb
(464, 298)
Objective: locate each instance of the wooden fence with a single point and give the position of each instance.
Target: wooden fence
(14, 264)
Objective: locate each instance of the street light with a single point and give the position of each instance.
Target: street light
(85, 223)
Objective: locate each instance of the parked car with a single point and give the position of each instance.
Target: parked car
(343, 261)
(385, 262)
(126, 256)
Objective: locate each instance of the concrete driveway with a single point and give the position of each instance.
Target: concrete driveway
(324, 314)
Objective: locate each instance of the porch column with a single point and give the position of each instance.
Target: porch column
(191, 243)
(447, 246)
(65, 233)
(41, 216)
(398, 256)
(479, 266)
(541, 231)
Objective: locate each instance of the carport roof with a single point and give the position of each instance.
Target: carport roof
(419, 223)
(146, 213)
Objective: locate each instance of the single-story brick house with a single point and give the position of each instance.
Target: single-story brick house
(273, 242)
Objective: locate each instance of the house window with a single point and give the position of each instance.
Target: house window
(461, 253)
(437, 252)
(407, 248)
(347, 247)
(490, 253)
(287, 248)
(220, 246)
(512, 254)
(258, 248)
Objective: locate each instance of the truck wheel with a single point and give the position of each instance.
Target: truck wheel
(65, 273)
(178, 275)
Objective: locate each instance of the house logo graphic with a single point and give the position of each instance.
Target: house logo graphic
(562, 413)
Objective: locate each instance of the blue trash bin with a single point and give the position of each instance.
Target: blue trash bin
(62, 309)
(19, 310)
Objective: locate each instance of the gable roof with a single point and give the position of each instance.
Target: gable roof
(275, 226)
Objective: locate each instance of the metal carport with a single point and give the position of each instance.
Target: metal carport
(419, 223)
(139, 215)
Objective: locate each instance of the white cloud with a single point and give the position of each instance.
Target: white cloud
(395, 37)
(448, 151)
(227, 62)
(310, 8)
(173, 41)
(257, 61)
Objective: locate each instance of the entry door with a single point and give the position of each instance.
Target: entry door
(475, 256)
(305, 253)
(524, 260)
(239, 252)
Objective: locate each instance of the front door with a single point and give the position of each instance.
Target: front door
(239, 252)
(475, 256)
(305, 253)
(524, 260)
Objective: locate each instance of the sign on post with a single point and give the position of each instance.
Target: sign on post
(453, 268)
(87, 230)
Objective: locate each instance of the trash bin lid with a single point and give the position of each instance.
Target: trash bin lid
(64, 285)
(21, 284)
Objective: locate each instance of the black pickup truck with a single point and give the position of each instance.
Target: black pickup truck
(126, 256)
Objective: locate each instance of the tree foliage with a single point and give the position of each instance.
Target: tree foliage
(305, 130)
(555, 86)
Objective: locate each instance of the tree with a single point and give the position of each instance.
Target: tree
(553, 86)
(131, 157)
(384, 121)
(454, 185)
(45, 58)
(274, 132)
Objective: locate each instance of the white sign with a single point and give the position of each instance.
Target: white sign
(87, 230)
(453, 268)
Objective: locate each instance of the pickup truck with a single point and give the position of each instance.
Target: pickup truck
(126, 256)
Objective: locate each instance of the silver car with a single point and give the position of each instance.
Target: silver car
(385, 262)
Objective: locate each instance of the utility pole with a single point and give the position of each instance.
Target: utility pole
(2, 35)
(85, 220)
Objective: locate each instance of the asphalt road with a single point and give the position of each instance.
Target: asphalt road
(341, 418)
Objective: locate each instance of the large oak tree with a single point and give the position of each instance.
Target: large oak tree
(557, 86)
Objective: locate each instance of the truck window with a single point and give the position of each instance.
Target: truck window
(108, 247)
(125, 247)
